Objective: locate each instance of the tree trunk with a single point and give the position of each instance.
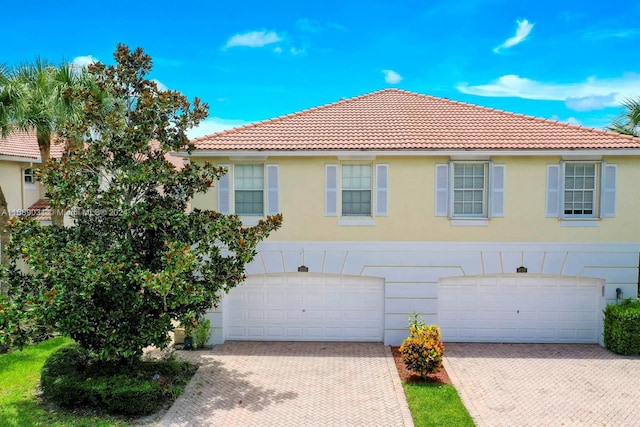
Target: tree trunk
(44, 144)
(4, 236)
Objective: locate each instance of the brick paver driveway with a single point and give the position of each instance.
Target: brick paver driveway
(292, 384)
(545, 384)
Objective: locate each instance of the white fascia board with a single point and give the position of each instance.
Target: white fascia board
(20, 159)
(408, 153)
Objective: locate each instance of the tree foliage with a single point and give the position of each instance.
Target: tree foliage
(32, 100)
(628, 122)
(135, 258)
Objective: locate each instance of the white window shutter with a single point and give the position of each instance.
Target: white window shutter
(442, 190)
(273, 198)
(554, 186)
(497, 190)
(331, 190)
(224, 191)
(608, 196)
(382, 190)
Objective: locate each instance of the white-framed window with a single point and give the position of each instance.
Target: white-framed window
(581, 190)
(29, 178)
(469, 189)
(356, 190)
(250, 190)
(248, 185)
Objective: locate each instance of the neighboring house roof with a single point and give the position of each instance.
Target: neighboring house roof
(393, 119)
(24, 145)
(40, 210)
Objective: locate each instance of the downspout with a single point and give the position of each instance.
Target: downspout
(22, 186)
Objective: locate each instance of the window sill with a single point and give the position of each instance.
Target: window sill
(250, 221)
(358, 222)
(480, 222)
(30, 186)
(595, 222)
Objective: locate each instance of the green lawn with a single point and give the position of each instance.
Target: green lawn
(434, 404)
(19, 376)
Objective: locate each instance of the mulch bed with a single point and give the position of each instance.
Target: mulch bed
(408, 376)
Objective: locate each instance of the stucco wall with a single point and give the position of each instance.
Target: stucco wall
(411, 204)
(11, 182)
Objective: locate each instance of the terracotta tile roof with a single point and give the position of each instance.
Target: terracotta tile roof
(40, 210)
(393, 119)
(25, 145)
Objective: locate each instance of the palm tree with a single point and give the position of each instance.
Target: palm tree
(628, 123)
(32, 99)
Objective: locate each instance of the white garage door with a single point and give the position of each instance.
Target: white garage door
(306, 307)
(520, 308)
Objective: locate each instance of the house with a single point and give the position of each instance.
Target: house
(499, 227)
(19, 156)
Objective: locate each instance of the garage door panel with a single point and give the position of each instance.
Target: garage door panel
(520, 308)
(311, 307)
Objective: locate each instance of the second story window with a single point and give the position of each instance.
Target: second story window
(470, 189)
(356, 190)
(28, 177)
(580, 189)
(248, 190)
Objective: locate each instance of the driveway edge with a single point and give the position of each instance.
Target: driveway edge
(407, 419)
(462, 392)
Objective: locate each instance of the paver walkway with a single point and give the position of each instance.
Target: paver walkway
(545, 384)
(292, 384)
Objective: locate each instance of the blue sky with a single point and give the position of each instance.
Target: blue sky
(571, 61)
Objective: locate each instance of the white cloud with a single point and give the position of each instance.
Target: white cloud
(590, 103)
(571, 120)
(592, 94)
(391, 77)
(213, 125)
(83, 61)
(253, 39)
(296, 51)
(620, 33)
(161, 85)
(277, 49)
(308, 25)
(523, 30)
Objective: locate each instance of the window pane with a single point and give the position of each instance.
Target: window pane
(356, 190)
(469, 189)
(356, 203)
(249, 177)
(580, 188)
(248, 181)
(356, 177)
(249, 202)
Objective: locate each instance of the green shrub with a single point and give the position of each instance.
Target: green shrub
(203, 332)
(72, 379)
(622, 327)
(422, 351)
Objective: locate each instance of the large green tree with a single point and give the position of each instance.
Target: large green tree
(135, 258)
(628, 122)
(32, 100)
